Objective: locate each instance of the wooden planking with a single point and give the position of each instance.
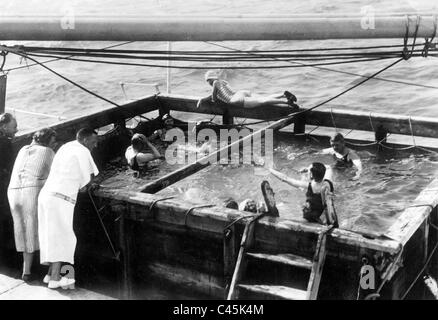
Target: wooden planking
(271, 233)
(188, 104)
(285, 258)
(13, 289)
(366, 121)
(66, 130)
(413, 217)
(278, 292)
(191, 280)
(8, 283)
(348, 119)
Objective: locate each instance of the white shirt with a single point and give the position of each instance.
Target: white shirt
(71, 170)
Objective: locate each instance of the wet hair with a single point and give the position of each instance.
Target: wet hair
(5, 118)
(138, 142)
(338, 137)
(318, 171)
(44, 136)
(248, 205)
(85, 133)
(231, 204)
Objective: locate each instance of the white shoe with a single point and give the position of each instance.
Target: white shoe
(46, 279)
(67, 283)
(54, 284)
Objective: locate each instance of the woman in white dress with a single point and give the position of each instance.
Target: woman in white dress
(31, 169)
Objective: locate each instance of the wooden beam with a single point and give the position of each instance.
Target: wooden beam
(341, 118)
(188, 104)
(277, 233)
(415, 214)
(66, 130)
(211, 28)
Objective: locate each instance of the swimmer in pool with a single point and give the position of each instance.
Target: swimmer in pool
(168, 124)
(222, 92)
(344, 157)
(138, 155)
(319, 194)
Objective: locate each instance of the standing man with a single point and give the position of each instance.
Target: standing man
(8, 129)
(73, 168)
(343, 156)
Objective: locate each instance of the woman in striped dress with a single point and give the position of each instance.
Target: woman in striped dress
(223, 93)
(31, 169)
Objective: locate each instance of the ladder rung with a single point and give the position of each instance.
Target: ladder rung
(280, 292)
(284, 258)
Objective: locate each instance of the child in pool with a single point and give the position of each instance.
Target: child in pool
(319, 194)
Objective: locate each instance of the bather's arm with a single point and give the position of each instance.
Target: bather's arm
(293, 182)
(357, 163)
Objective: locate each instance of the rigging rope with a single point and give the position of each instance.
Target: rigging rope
(63, 58)
(338, 71)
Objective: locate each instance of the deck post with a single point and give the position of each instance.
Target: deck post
(168, 70)
(230, 250)
(426, 249)
(300, 124)
(227, 118)
(3, 80)
(125, 247)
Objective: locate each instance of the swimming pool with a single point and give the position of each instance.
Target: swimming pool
(389, 182)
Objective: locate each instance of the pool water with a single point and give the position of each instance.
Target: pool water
(389, 182)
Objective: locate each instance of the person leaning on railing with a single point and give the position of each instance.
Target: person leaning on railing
(8, 129)
(30, 172)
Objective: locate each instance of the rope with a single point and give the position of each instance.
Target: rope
(62, 58)
(115, 253)
(67, 79)
(420, 205)
(197, 52)
(376, 294)
(187, 213)
(151, 207)
(339, 71)
(192, 67)
(3, 54)
(36, 113)
(428, 43)
(235, 221)
(336, 96)
(371, 123)
(333, 119)
(421, 272)
(412, 132)
(407, 55)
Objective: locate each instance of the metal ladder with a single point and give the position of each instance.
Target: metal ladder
(314, 266)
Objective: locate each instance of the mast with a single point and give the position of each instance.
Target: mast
(214, 28)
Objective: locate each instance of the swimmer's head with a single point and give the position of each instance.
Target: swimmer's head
(210, 76)
(337, 142)
(231, 204)
(317, 171)
(138, 142)
(248, 205)
(167, 120)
